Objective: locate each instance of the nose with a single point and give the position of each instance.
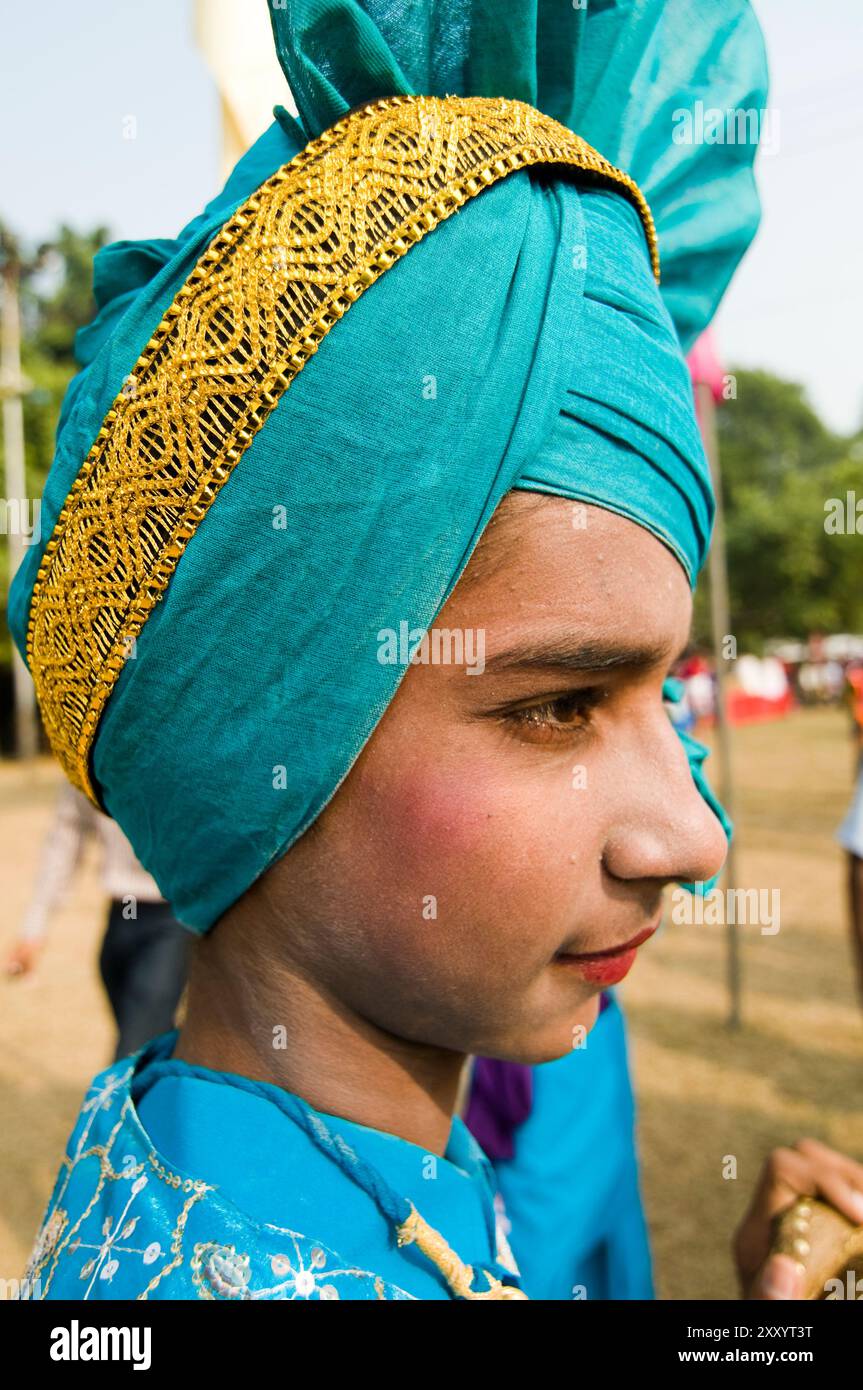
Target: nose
(663, 829)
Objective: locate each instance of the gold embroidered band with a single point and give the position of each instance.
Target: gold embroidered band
(285, 267)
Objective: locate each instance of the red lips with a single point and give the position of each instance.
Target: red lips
(610, 966)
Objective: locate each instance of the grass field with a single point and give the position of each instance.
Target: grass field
(705, 1093)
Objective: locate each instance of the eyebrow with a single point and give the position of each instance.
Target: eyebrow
(592, 654)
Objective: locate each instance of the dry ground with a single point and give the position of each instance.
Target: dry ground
(795, 1068)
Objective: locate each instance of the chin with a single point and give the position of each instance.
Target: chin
(544, 1042)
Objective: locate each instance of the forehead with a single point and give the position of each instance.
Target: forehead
(552, 563)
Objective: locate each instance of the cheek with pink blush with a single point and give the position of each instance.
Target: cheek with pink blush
(469, 841)
(439, 817)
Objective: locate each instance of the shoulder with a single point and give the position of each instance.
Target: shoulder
(123, 1223)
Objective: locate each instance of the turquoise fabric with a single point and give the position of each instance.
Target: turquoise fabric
(571, 1190)
(269, 1216)
(567, 1203)
(556, 367)
(615, 71)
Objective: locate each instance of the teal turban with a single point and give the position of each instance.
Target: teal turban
(522, 343)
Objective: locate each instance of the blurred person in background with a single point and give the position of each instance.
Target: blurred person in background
(144, 950)
(850, 833)
(854, 701)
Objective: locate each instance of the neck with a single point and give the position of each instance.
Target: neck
(269, 1022)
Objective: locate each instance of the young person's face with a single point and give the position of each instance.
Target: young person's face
(497, 824)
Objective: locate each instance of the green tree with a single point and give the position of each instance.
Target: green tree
(780, 465)
(56, 300)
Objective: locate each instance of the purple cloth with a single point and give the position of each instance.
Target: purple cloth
(501, 1097)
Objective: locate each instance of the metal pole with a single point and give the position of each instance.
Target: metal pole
(12, 386)
(720, 622)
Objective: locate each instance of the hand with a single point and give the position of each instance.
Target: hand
(23, 957)
(811, 1169)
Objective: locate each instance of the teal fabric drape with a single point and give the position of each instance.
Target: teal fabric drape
(615, 71)
(556, 367)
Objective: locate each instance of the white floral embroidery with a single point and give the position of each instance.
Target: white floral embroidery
(128, 1213)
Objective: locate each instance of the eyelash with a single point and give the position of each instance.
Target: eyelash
(538, 719)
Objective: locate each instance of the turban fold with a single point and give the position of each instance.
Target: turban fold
(521, 342)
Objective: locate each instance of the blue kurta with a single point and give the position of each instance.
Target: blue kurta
(571, 1190)
(181, 1182)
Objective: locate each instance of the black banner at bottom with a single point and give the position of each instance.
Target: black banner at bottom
(176, 1336)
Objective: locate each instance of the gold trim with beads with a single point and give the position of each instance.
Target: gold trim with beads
(283, 269)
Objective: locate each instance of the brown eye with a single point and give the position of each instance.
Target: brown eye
(567, 714)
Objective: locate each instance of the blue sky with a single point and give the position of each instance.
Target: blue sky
(74, 73)
(796, 304)
(77, 71)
